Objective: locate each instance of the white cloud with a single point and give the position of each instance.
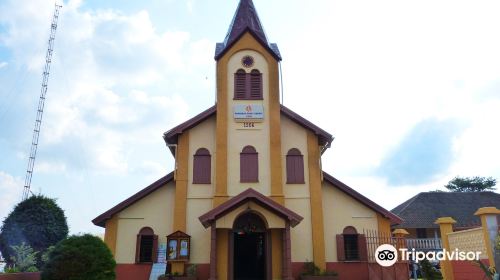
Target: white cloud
(11, 189)
(3, 64)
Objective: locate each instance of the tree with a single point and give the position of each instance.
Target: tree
(37, 221)
(24, 258)
(84, 257)
(471, 184)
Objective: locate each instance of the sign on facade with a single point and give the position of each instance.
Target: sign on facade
(248, 112)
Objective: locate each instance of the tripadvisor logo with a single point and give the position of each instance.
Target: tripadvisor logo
(387, 255)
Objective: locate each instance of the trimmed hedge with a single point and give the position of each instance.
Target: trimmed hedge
(84, 257)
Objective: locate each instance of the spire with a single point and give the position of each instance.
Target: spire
(245, 19)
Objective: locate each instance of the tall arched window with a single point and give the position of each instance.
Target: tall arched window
(249, 165)
(146, 246)
(351, 246)
(240, 84)
(202, 167)
(294, 167)
(255, 84)
(248, 86)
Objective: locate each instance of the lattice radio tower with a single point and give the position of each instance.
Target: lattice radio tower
(41, 103)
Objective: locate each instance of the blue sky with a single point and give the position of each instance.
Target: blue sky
(410, 90)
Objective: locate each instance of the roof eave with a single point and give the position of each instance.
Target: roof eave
(267, 46)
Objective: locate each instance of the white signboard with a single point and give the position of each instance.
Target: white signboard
(248, 112)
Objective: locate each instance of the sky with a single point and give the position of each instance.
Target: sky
(409, 89)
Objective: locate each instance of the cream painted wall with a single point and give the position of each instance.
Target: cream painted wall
(199, 196)
(201, 136)
(239, 137)
(200, 236)
(294, 136)
(302, 233)
(339, 211)
(271, 219)
(155, 211)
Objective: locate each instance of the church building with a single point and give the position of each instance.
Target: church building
(248, 198)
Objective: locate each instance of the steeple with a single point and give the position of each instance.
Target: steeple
(246, 19)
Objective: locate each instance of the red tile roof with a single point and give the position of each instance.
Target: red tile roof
(250, 195)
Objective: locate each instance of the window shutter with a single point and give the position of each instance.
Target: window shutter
(363, 252)
(249, 165)
(255, 84)
(137, 248)
(202, 167)
(340, 248)
(240, 84)
(294, 167)
(155, 249)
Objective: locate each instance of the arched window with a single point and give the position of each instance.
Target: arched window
(255, 84)
(146, 246)
(249, 165)
(351, 246)
(202, 167)
(294, 167)
(240, 84)
(248, 86)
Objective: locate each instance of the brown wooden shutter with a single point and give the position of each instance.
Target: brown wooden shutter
(138, 248)
(340, 248)
(363, 250)
(240, 84)
(249, 165)
(202, 167)
(155, 249)
(255, 84)
(294, 167)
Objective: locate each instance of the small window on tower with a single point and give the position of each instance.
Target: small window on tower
(248, 86)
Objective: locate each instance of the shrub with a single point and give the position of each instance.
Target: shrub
(24, 258)
(428, 271)
(37, 221)
(84, 257)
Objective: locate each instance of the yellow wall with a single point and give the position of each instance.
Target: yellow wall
(340, 211)
(271, 219)
(239, 137)
(110, 233)
(199, 196)
(155, 211)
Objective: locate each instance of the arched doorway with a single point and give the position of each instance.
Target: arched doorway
(249, 251)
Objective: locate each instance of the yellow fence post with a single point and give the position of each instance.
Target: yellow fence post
(446, 226)
(489, 224)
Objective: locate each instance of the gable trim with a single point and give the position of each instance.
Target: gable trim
(104, 217)
(361, 198)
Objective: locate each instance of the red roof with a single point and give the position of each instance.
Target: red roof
(324, 138)
(250, 195)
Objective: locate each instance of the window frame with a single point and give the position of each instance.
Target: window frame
(146, 231)
(295, 173)
(202, 160)
(249, 165)
(361, 248)
(244, 85)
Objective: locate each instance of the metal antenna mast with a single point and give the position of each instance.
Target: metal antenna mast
(41, 103)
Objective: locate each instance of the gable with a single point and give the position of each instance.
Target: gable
(361, 198)
(101, 219)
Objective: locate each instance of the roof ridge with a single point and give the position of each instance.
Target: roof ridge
(409, 202)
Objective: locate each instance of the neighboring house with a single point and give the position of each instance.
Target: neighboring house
(421, 211)
(248, 198)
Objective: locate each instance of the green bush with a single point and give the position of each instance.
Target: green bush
(37, 221)
(24, 258)
(428, 271)
(84, 257)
